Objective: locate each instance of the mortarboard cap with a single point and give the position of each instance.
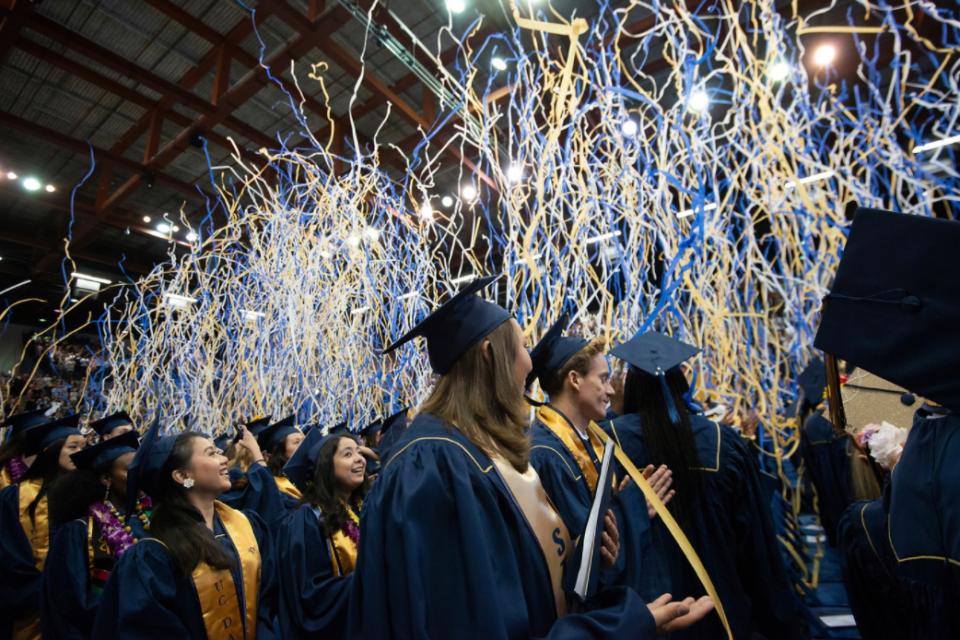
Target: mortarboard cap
(223, 440)
(813, 381)
(270, 436)
(654, 353)
(372, 428)
(38, 438)
(456, 325)
(100, 456)
(20, 422)
(553, 351)
(894, 308)
(257, 425)
(143, 474)
(107, 424)
(340, 427)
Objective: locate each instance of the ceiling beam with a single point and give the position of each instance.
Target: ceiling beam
(14, 15)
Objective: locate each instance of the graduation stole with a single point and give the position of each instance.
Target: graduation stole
(560, 427)
(548, 528)
(343, 553)
(219, 600)
(678, 535)
(287, 487)
(38, 529)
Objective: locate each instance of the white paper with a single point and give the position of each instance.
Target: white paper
(840, 620)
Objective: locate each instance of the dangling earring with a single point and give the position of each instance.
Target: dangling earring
(188, 483)
(106, 493)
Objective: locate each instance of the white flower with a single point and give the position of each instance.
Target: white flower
(886, 444)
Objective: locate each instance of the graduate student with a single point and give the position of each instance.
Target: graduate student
(113, 425)
(206, 570)
(13, 464)
(93, 529)
(392, 430)
(25, 525)
(575, 375)
(718, 501)
(459, 537)
(893, 311)
(280, 441)
(253, 486)
(317, 544)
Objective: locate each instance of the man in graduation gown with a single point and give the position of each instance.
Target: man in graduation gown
(894, 310)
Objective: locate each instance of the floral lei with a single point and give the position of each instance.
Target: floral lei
(17, 468)
(351, 527)
(116, 534)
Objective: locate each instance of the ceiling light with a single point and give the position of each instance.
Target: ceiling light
(192, 236)
(43, 319)
(602, 237)
(462, 279)
(175, 228)
(689, 212)
(699, 101)
(250, 316)
(163, 227)
(446, 201)
(499, 63)
(469, 193)
(147, 219)
(409, 294)
(456, 6)
(515, 172)
(177, 301)
(16, 286)
(77, 274)
(83, 284)
(779, 71)
(11, 175)
(629, 128)
(360, 310)
(824, 55)
(49, 188)
(353, 240)
(372, 233)
(822, 175)
(31, 184)
(936, 144)
(426, 211)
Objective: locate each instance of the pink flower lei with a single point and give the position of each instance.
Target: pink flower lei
(17, 468)
(117, 535)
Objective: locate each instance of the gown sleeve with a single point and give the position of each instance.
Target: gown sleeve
(67, 606)
(139, 601)
(19, 578)
(267, 598)
(261, 495)
(434, 525)
(314, 602)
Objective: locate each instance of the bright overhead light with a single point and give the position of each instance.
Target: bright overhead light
(11, 175)
(823, 175)
(49, 188)
(515, 172)
(936, 144)
(469, 193)
(779, 71)
(359, 310)
(824, 55)
(426, 211)
(462, 279)
(456, 6)
(43, 319)
(175, 228)
(250, 316)
(77, 274)
(629, 128)
(372, 233)
(699, 101)
(16, 286)
(353, 240)
(163, 227)
(498, 63)
(409, 294)
(446, 201)
(31, 184)
(689, 212)
(602, 237)
(177, 301)
(147, 219)
(192, 236)
(83, 284)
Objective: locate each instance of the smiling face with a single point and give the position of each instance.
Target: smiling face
(348, 465)
(208, 468)
(70, 446)
(592, 389)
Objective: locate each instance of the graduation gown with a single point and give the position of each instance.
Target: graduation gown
(732, 532)
(147, 596)
(261, 495)
(826, 458)
(76, 570)
(446, 552)
(568, 470)
(314, 595)
(22, 556)
(924, 525)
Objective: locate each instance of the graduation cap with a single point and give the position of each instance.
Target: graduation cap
(655, 354)
(223, 440)
(299, 468)
(38, 438)
(372, 428)
(894, 307)
(107, 424)
(258, 424)
(813, 381)
(20, 422)
(270, 436)
(456, 325)
(554, 350)
(339, 428)
(397, 420)
(100, 456)
(143, 474)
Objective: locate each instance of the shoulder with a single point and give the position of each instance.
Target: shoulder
(431, 440)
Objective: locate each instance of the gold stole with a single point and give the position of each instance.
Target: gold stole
(219, 601)
(552, 419)
(5, 479)
(343, 553)
(287, 487)
(37, 530)
(551, 533)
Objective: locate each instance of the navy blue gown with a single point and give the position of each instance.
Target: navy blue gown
(826, 459)
(571, 495)
(732, 532)
(148, 596)
(314, 600)
(19, 576)
(69, 594)
(925, 525)
(445, 552)
(262, 496)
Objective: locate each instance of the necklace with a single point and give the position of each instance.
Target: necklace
(114, 528)
(351, 527)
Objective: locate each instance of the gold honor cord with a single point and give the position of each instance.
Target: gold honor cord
(672, 526)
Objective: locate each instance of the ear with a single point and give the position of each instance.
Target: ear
(574, 379)
(487, 348)
(105, 480)
(179, 476)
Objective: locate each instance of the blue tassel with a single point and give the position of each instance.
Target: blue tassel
(671, 407)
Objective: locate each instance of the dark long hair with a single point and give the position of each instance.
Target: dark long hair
(176, 523)
(666, 443)
(321, 491)
(72, 493)
(10, 449)
(278, 458)
(47, 468)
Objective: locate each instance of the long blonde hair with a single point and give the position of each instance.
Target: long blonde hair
(481, 398)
